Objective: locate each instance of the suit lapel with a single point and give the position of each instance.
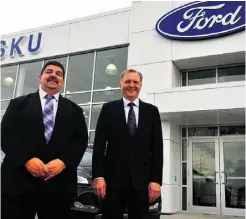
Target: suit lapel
(141, 113)
(122, 115)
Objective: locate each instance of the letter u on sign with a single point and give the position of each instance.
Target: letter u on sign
(201, 20)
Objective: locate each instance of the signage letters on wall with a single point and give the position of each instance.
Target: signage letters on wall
(201, 20)
(32, 43)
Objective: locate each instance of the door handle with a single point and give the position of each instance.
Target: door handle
(215, 181)
(225, 177)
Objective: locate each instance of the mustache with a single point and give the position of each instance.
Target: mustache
(131, 88)
(52, 78)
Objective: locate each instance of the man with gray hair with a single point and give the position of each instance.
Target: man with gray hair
(127, 159)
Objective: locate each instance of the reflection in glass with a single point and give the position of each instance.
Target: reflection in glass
(236, 73)
(4, 105)
(184, 150)
(96, 109)
(184, 82)
(109, 65)
(207, 76)
(79, 98)
(184, 198)
(80, 70)
(8, 75)
(183, 132)
(28, 81)
(234, 174)
(203, 165)
(184, 173)
(92, 136)
(232, 130)
(86, 111)
(203, 131)
(107, 95)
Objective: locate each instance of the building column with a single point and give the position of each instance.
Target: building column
(171, 189)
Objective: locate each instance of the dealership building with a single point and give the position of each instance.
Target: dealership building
(192, 58)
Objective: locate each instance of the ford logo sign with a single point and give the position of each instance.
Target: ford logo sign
(201, 20)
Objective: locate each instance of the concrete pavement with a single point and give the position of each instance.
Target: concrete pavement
(198, 216)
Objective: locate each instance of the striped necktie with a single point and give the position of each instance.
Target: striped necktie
(131, 119)
(48, 117)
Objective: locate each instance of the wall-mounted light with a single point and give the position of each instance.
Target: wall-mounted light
(111, 69)
(8, 81)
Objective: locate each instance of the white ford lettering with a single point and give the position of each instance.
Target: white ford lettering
(198, 19)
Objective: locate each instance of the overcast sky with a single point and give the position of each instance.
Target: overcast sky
(18, 15)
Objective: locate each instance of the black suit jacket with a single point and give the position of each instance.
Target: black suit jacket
(23, 138)
(119, 157)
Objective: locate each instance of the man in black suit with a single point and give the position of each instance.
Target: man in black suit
(44, 137)
(128, 152)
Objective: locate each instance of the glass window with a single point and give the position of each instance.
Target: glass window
(184, 173)
(4, 105)
(28, 81)
(183, 132)
(8, 76)
(184, 150)
(107, 95)
(236, 73)
(109, 65)
(207, 76)
(79, 98)
(80, 70)
(183, 74)
(96, 109)
(92, 137)
(86, 112)
(232, 130)
(203, 131)
(63, 61)
(184, 198)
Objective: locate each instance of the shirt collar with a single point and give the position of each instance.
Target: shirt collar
(42, 94)
(126, 101)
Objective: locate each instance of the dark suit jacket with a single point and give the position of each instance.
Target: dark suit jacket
(117, 156)
(23, 138)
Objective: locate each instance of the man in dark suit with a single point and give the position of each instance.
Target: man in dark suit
(44, 137)
(128, 152)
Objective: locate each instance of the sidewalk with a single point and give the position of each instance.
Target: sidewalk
(197, 216)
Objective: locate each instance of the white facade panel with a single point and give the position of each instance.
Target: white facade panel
(145, 14)
(218, 96)
(203, 48)
(148, 47)
(109, 30)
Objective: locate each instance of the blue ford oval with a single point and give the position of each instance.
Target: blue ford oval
(201, 20)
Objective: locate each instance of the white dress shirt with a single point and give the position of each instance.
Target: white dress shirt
(135, 108)
(43, 100)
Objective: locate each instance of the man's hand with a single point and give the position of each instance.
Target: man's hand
(154, 191)
(54, 167)
(100, 187)
(36, 167)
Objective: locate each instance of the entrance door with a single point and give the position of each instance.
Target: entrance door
(217, 176)
(204, 180)
(232, 165)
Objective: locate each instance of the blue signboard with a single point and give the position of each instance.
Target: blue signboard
(16, 44)
(201, 20)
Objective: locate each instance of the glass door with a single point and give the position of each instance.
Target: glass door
(232, 163)
(204, 180)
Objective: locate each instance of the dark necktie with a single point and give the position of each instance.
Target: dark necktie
(131, 119)
(48, 117)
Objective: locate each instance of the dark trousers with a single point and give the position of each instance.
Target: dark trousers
(117, 199)
(47, 206)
